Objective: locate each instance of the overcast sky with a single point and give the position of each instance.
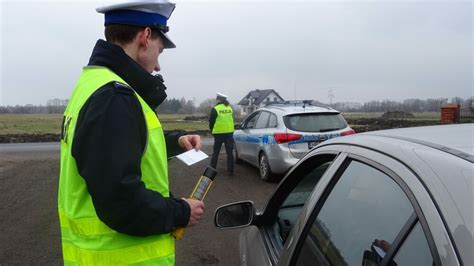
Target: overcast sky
(362, 50)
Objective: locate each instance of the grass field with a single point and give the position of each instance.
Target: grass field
(30, 123)
(185, 125)
(177, 122)
(51, 123)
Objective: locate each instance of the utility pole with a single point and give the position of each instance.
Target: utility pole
(330, 96)
(294, 90)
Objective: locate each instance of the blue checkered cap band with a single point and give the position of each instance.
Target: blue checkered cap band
(144, 13)
(136, 18)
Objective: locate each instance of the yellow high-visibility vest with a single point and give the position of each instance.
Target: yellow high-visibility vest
(224, 120)
(86, 240)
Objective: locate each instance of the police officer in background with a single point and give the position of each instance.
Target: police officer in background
(114, 202)
(221, 125)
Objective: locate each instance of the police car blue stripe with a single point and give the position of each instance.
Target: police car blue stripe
(255, 139)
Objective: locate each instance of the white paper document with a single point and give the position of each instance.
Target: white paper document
(192, 156)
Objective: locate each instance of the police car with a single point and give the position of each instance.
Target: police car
(275, 137)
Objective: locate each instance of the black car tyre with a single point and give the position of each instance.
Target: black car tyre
(264, 168)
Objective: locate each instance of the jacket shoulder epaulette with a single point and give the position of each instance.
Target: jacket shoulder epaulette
(123, 88)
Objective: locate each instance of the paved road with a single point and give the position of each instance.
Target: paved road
(48, 146)
(29, 230)
(28, 147)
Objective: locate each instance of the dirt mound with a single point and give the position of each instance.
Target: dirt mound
(196, 118)
(372, 124)
(397, 114)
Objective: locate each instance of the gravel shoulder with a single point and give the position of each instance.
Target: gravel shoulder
(29, 228)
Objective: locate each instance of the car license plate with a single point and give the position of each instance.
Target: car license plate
(312, 144)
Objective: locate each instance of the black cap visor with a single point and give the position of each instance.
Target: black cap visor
(168, 43)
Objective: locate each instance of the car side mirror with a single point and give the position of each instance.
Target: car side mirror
(376, 254)
(238, 126)
(370, 259)
(234, 215)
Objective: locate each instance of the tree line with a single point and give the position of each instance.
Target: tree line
(53, 106)
(58, 106)
(409, 105)
(183, 106)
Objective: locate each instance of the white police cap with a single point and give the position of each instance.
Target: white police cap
(221, 96)
(145, 13)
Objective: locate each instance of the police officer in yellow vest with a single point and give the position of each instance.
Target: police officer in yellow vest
(221, 125)
(114, 202)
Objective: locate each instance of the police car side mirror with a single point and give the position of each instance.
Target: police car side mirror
(234, 215)
(238, 126)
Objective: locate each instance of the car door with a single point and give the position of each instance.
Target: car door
(262, 134)
(262, 243)
(372, 211)
(245, 140)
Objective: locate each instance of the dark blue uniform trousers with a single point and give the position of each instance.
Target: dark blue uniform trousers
(228, 140)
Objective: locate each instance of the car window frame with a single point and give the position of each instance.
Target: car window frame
(250, 117)
(411, 233)
(270, 213)
(276, 120)
(404, 231)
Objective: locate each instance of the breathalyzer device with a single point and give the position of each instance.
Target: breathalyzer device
(199, 192)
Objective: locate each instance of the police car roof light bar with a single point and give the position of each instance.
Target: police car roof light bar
(304, 103)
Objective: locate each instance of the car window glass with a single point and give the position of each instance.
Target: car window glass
(294, 202)
(273, 121)
(262, 120)
(250, 123)
(315, 122)
(302, 191)
(415, 249)
(365, 205)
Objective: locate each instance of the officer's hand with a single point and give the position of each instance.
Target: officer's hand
(197, 210)
(190, 141)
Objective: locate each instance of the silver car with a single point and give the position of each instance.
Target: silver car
(392, 197)
(274, 138)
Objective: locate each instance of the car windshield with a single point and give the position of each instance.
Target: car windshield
(315, 122)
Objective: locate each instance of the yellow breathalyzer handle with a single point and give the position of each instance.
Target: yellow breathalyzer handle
(199, 193)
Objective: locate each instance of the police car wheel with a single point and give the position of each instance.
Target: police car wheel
(264, 168)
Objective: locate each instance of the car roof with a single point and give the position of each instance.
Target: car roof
(455, 139)
(297, 109)
(442, 157)
(458, 137)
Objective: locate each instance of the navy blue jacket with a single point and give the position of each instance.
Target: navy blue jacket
(109, 141)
